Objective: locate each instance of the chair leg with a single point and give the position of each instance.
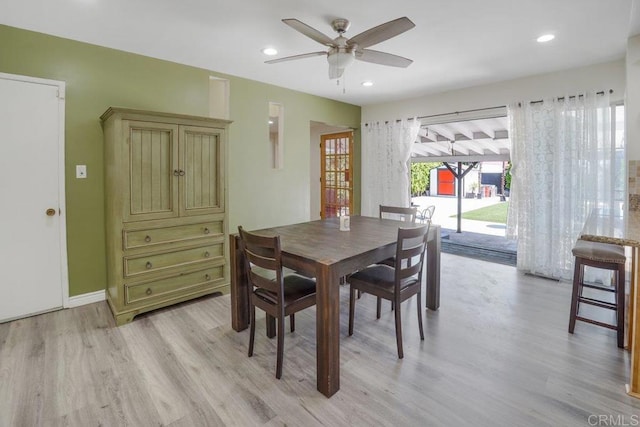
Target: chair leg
(280, 352)
(252, 332)
(292, 322)
(399, 331)
(419, 305)
(574, 295)
(352, 308)
(359, 293)
(378, 307)
(620, 303)
(580, 289)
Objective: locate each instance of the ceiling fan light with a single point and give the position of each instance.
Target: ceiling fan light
(270, 51)
(341, 58)
(367, 83)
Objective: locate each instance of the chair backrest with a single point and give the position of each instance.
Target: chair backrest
(429, 211)
(410, 253)
(396, 212)
(264, 253)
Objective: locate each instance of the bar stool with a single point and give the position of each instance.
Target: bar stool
(608, 257)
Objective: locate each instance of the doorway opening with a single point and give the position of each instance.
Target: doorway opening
(465, 181)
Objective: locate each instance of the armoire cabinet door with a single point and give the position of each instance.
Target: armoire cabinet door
(153, 171)
(202, 186)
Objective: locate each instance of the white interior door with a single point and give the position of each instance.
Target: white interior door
(32, 244)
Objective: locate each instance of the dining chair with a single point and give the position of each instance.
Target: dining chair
(276, 294)
(398, 283)
(426, 214)
(398, 213)
(401, 214)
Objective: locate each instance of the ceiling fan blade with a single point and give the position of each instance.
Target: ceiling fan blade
(308, 31)
(368, 55)
(291, 58)
(335, 72)
(381, 33)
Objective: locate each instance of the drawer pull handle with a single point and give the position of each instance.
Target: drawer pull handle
(207, 277)
(206, 254)
(206, 230)
(149, 265)
(149, 291)
(147, 239)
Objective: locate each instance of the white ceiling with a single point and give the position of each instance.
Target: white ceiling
(455, 44)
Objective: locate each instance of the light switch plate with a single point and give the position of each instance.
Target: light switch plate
(81, 171)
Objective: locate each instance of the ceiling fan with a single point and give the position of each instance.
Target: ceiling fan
(343, 51)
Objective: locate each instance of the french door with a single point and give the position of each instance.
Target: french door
(336, 173)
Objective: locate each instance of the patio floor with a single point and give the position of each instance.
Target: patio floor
(478, 239)
(480, 246)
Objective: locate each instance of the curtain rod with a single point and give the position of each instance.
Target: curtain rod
(447, 114)
(460, 112)
(561, 98)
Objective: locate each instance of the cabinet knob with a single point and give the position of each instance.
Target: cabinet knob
(149, 291)
(206, 254)
(176, 172)
(50, 212)
(181, 172)
(147, 239)
(207, 277)
(206, 230)
(149, 265)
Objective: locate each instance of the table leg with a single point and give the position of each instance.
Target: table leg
(433, 268)
(327, 330)
(271, 326)
(239, 287)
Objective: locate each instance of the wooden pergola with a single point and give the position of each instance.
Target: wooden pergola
(461, 145)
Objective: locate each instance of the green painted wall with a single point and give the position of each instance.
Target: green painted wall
(98, 78)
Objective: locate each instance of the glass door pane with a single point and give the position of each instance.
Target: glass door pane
(336, 171)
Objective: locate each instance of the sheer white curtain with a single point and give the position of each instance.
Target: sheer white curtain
(386, 149)
(564, 166)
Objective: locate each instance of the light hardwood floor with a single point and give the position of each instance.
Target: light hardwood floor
(497, 353)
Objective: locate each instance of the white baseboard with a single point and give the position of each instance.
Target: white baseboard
(88, 298)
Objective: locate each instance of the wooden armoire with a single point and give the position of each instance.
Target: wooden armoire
(165, 209)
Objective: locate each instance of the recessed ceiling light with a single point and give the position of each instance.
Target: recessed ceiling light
(269, 51)
(367, 83)
(545, 38)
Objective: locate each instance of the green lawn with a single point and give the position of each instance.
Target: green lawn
(494, 213)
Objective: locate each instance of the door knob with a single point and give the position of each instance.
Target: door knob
(51, 212)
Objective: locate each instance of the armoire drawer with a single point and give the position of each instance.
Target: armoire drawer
(156, 236)
(172, 286)
(182, 258)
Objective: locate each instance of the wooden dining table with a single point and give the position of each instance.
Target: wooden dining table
(320, 249)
